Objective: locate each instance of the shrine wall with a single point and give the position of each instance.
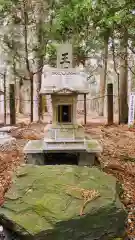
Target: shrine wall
(65, 100)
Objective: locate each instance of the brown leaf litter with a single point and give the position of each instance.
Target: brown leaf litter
(118, 159)
(28, 132)
(10, 159)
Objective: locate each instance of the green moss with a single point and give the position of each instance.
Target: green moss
(48, 202)
(92, 144)
(117, 239)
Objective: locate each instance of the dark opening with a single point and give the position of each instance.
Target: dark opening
(9, 235)
(64, 113)
(61, 158)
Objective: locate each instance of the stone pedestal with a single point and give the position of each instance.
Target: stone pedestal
(35, 159)
(86, 159)
(36, 150)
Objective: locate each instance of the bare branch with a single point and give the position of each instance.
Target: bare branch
(131, 49)
(99, 65)
(123, 58)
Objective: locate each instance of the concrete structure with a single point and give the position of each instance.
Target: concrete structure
(66, 138)
(6, 141)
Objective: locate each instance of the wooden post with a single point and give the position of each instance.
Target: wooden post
(109, 103)
(12, 104)
(85, 110)
(5, 101)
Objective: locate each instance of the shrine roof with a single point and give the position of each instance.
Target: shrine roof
(64, 81)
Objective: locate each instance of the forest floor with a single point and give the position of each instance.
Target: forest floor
(118, 158)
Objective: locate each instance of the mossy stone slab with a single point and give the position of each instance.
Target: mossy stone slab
(44, 202)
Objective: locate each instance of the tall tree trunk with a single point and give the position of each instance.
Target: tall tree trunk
(39, 76)
(40, 57)
(117, 73)
(103, 77)
(31, 94)
(41, 43)
(26, 20)
(16, 87)
(5, 100)
(123, 77)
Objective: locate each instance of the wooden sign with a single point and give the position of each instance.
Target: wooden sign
(131, 109)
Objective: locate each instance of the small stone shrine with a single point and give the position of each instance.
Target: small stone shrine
(66, 142)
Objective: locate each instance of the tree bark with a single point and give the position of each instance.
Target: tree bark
(123, 77)
(85, 110)
(117, 73)
(109, 103)
(41, 44)
(12, 105)
(5, 100)
(103, 78)
(26, 20)
(40, 61)
(31, 93)
(39, 77)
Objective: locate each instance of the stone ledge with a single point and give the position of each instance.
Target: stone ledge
(34, 146)
(7, 129)
(40, 146)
